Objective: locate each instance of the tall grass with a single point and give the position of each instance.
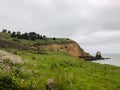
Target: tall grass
(68, 72)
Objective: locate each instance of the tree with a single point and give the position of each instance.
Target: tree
(44, 37)
(9, 32)
(4, 31)
(13, 35)
(54, 38)
(33, 35)
(40, 37)
(18, 35)
(25, 36)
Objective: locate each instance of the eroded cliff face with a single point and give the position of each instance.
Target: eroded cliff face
(70, 48)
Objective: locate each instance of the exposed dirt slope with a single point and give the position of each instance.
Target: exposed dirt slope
(70, 48)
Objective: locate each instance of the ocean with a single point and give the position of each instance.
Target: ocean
(115, 59)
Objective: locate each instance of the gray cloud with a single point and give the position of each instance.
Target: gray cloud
(94, 24)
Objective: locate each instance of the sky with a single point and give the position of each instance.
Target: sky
(93, 24)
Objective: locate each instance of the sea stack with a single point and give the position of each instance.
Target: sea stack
(98, 55)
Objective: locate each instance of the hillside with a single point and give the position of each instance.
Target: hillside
(45, 45)
(68, 72)
(24, 65)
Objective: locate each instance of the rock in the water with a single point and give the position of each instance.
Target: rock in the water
(98, 55)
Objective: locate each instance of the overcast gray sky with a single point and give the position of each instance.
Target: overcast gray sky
(94, 24)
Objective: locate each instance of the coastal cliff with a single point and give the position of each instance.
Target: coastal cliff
(72, 48)
(46, 44)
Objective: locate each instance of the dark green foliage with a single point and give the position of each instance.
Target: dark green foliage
(9, 32)
(13, 35)
(40, 37)
(7, 83)
(33, 58)
(54, 38)
(4, 31)
(18, 35)
(28, 39)
(44, 37)
(32, 35)
(15, 52)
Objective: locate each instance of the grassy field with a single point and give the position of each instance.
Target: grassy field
(68, 72)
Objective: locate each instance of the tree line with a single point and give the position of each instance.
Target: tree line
(27, 36)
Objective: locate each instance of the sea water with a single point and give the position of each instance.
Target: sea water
(115, 59)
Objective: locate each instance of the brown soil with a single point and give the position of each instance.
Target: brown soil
(70, 48)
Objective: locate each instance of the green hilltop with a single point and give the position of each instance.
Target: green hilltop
(23, 68)
(9, 38)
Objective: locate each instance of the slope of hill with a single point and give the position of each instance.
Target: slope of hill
(47, 45)
(68, 72)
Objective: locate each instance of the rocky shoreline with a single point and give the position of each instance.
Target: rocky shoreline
(92, 58)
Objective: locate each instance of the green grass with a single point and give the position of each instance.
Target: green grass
(46, 41)
(20, 44)
(6, 37)
(68, 72)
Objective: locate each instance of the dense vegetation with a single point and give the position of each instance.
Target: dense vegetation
(27, 36)
(68, 72)
(18, 39)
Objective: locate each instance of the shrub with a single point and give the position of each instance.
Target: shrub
(16, 40)
(54, 38)
(15, 53)
(33, 58)
(7, 83)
